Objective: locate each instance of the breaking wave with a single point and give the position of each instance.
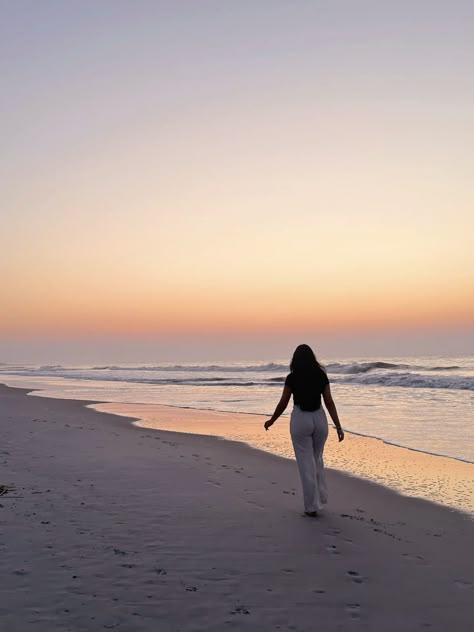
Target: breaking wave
(376, 373)
(366, 367)
(411, 380)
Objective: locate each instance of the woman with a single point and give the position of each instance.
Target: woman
(308, 424)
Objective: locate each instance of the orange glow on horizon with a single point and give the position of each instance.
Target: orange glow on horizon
(232, 311)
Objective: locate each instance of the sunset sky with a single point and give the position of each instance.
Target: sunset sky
(221, 179)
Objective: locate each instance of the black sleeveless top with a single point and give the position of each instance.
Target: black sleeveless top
(307, 388)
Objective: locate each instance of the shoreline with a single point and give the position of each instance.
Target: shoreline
(414, 474)
(284, 416)
(443, 480)
(80, 388)
(111, 525)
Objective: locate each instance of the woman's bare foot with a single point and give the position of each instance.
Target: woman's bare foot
(312, 514)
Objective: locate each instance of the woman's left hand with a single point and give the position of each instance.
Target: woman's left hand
(267, 424)
(340, 434)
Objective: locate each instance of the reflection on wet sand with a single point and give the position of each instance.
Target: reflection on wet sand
(439, 479)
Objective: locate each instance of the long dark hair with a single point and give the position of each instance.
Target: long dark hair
(304, 360)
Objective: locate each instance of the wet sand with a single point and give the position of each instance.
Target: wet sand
(107, 525)
(439, 479)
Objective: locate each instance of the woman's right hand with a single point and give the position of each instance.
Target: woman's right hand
(267, 424)
(340, 434)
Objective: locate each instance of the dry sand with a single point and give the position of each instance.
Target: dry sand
(106, 525)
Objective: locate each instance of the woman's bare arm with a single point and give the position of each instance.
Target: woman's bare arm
(280, 408)
(331, 407)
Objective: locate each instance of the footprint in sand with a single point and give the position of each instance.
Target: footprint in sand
(371, 522)
(120, 552)
(351, 517)
(387, 533)
(415, 558)
(434, 534)
(240, 610)
(356, 577)
(463, 584)
(353, 609)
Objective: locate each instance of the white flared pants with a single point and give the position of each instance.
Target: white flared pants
(309, 431)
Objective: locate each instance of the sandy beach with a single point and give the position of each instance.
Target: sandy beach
(436, 478)
(107, 525)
